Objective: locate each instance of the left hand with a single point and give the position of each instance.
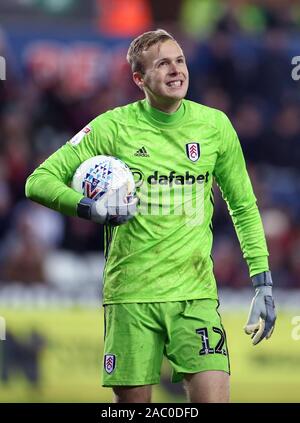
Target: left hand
(262, 313)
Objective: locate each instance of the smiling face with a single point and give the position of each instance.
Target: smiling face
(165, 78)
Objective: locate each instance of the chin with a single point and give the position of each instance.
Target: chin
(177, 96)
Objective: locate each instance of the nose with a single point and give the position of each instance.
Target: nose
(173, 68)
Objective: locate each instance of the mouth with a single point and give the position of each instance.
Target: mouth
(175, 83)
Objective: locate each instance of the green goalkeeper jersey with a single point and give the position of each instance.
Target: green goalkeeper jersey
(164, 253)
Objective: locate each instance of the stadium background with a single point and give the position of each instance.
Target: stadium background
(65, 63)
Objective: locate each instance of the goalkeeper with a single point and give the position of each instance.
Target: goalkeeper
(159, 291)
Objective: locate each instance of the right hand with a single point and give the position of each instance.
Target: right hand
(112, 208)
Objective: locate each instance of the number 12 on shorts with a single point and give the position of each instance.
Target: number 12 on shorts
(206, 348)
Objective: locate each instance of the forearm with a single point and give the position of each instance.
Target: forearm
(113, 208)
(49, 183)
(250, 232)
(46, 189)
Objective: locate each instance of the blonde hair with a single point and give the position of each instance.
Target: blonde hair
(144, 42)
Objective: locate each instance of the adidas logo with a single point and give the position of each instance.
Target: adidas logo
(142, 152)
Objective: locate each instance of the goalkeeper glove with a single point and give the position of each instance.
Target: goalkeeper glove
(113, 207)
(262, 313)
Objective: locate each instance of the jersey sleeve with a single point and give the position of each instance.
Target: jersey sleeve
(49, 183)
(233, 180)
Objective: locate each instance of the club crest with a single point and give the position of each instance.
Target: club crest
(193, 151)
(109, 363)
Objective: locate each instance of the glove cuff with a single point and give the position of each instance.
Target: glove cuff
(262, 279)
(84, 208)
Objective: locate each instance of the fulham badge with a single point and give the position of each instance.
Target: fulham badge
(193, 151)
(109, 363)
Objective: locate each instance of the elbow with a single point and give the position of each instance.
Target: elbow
(29, 192)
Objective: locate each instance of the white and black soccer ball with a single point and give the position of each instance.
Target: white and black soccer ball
(101, 174)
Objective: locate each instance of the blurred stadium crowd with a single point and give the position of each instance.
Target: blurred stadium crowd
(239, 54)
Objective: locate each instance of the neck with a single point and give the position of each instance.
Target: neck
(164, 107)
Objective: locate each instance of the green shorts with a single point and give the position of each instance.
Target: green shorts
(137, 336)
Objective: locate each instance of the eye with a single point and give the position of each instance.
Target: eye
(181, 60)
(164, 62)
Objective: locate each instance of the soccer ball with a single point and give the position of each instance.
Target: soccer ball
(100, 174)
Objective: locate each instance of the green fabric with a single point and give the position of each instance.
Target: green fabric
(165, 255)
(150, 331)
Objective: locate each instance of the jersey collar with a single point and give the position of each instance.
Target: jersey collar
(161, 118)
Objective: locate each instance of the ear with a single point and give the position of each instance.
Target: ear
(138, 79)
